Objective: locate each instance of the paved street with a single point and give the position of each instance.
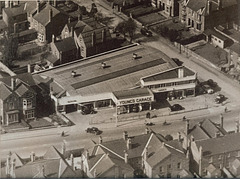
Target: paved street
(38, 141)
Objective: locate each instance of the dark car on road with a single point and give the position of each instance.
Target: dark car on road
(219, 99)
(211, 83)
(176, 107)
(93, 130)
(146, 32)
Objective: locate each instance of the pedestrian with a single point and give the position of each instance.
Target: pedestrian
(62, 133)
(148, 115)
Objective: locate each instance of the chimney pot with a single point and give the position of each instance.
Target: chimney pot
(13, 83)
(29, 68)
(147, 130)
(100, 139)
(125, 135)
(125, 156)
(32, 157)
(129, 143)
(53, 38)
(179, 137)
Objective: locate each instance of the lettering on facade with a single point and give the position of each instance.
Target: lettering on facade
(136, 100)
(72, 101)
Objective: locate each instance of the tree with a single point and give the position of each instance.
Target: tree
(9, 50)
(131, 27)
(121, 27)
(169, 137)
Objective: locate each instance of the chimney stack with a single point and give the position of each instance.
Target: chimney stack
(237, 126)
(217, 134)
(8, 165)
(125, 156)
(29, 68)
(69, 20)
(93, 39)
(79, 17)
(125, 135)
(13, 83)
(180, 72)
(53, 38)
(55, 3)
(179, 137)
(219, 4)
(129, 143)
(103, 35)
(38, 6)
(15, 28)
(187, 127)
(221, 121)
(50, 15)
(11, 4)
(87, 154)
(146, 153)
(100, 139)
(72, 161)
(63, 147)
(13, 166)
(72, 32)
(209, 6)
(147, 131)
(32, 156)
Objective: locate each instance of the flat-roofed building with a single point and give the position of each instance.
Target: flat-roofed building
(130, 78)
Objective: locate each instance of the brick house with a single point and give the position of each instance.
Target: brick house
(15, 17)
(147, 152)
(65, 50)
(205, 14)
(53, 164)
(17, 99)
(169, 7)
(45, 22)
(90, 36)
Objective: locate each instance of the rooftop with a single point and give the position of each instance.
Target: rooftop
(121, 71)
(220, 145)
(66, 45)
(15, 11)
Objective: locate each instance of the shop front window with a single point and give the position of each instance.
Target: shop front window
(12, 118)
(29, 114)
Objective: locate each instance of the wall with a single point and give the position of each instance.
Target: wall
(217, 42)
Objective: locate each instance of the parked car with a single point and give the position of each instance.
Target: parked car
(88, 110)
(146, 32)
(211, 83)
(219, 99)
(93, 130)
(208, 89)
(176, 107)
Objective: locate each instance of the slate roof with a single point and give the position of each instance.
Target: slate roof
(66, 45)
(22, 89)
(225, 144)
(27, 78)
(206, 129)
(215, 33)
(5, 92)
(15, 11)
(43, 16)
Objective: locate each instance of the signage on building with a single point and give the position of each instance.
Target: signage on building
(135, 100)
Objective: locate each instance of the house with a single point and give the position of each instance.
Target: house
(17, 99)
(200, 15)
(65, 50)
(15, 17)
(53, 164)
(147, 152)
(90, 36)
(22, 97)
(219, 152)
(169, 7)
(45, 21)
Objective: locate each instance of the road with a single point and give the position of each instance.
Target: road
(39, 141)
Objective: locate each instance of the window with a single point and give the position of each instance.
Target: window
(169, 166)
(199, 26)
(160, 169)
(29, 103)
(179, 166)
(12, 118)
(229, 155)
(168, 84)
(210, 160)
(220, 41)
(30, 114)
(219, 157)
(11, 105)
(238, 154)
(24, 102)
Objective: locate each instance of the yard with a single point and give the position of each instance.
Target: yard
(213, 54)
(151, 18)
(139, 11)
